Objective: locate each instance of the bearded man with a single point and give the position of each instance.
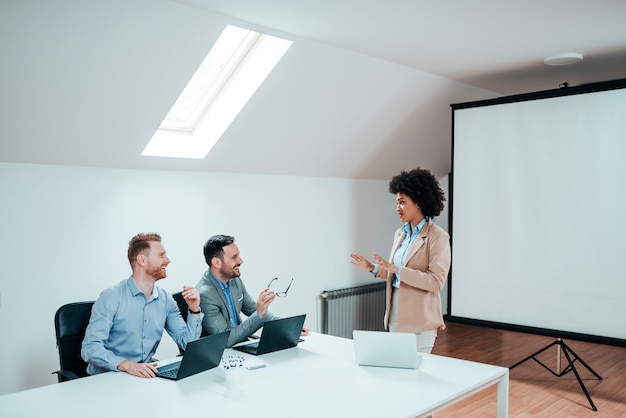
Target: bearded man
(127, 320)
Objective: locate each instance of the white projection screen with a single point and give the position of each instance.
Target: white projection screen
(538, 213)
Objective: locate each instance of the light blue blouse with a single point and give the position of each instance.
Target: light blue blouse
(399, 258)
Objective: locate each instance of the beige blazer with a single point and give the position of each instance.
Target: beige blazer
(421, 279)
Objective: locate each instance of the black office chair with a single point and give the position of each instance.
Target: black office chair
(70, 322)
(182, 305)
(183, 308)
(184, 311)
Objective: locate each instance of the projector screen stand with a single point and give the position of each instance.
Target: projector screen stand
(563, 348)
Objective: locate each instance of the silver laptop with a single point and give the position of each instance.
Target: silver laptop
(200, 355)
(386, 349)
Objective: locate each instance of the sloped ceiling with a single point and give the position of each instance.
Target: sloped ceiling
(364, 91)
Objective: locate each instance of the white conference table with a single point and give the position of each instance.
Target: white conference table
(317, 378)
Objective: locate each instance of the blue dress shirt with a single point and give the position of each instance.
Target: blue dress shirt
(399, 258)
(124, 325)
(229, 301)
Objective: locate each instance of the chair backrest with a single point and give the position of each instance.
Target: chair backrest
(182, 305)
(184, 311)
(70, 322)
(183, 308)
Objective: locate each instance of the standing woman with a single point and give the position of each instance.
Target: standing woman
(419, 262)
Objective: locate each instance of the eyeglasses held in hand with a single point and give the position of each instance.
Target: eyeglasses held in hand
(281, 294)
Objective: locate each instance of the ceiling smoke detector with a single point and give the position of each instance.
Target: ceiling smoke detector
(563, 59)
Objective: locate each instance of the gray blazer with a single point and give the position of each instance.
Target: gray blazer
(216, 316)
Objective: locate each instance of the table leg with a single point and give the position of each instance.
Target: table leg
(503, 396)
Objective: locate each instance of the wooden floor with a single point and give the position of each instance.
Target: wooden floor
(533, 390)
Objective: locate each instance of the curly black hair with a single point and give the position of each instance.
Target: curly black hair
(422, 187)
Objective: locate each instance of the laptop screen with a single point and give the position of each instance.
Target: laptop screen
(386, 349)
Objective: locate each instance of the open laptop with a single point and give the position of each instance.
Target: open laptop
(278, 334)
(386, 349)
(200, 355)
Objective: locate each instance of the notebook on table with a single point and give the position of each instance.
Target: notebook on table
(386, 349)
(200, 355)
(278, 334)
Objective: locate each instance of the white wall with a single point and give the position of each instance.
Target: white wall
(64, 233)
(442, 221)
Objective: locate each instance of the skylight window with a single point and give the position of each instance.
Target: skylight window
(230, 74)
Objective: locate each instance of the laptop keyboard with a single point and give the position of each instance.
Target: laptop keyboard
(169, 373)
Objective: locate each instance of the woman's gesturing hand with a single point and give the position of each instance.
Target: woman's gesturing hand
(384, 264)
(360, 261)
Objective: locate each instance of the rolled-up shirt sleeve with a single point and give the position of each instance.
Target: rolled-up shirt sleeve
(181, 332)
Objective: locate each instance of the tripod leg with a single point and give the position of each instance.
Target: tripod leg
(565, 347)
(580, 382)
(570, 367)
(534, 354)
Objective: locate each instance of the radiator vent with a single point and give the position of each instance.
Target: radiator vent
(359, 307)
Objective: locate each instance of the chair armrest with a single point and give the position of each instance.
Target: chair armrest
(65, 375)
